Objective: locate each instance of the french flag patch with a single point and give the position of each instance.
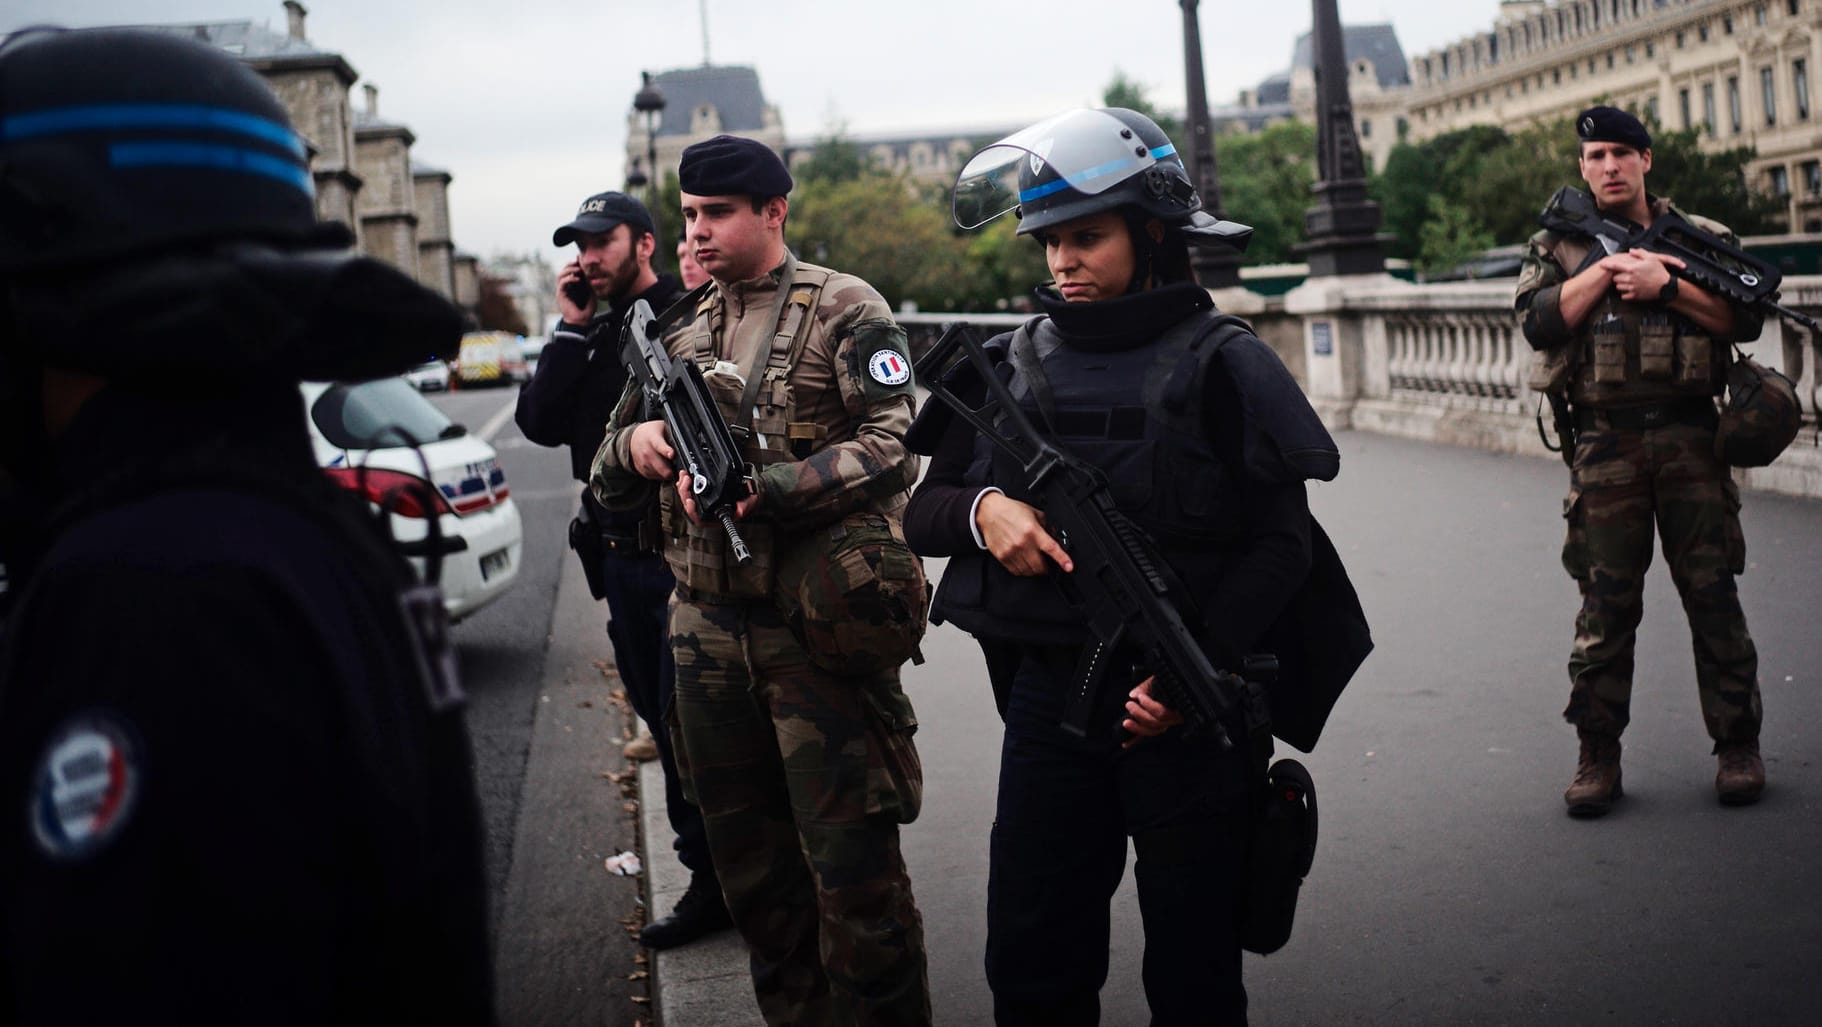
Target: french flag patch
(889, 368)
(86, 786)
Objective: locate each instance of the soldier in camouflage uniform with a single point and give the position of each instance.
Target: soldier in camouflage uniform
(1640, 356)
(801, 760)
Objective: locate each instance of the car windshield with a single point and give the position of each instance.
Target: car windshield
(377, 414)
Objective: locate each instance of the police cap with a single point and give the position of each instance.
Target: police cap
(1611, 125)
(601, 214)
(731, 165)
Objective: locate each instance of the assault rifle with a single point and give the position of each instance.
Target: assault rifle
(1717, 266)
(705, 447)
(1121, 586)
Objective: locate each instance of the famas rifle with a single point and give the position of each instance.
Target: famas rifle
(1715, 265)
(1121, 586)
(704, 446)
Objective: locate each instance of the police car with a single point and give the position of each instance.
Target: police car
(363, 434)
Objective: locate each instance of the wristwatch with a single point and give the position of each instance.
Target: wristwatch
(1668, 292)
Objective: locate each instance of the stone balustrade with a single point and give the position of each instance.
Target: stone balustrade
(1446, 362)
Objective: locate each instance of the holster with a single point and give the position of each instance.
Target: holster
(1283, 848)
(585, 539)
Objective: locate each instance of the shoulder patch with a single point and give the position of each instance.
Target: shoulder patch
(86, 786)
(883, 356)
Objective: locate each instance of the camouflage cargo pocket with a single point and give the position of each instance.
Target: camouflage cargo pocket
(1735, 538)
(1694, 359)
(1550, 369)
(1575, 538)
(855, 595)
(895, 772)
(1657, 342)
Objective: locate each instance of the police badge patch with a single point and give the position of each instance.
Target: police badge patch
(86, 786)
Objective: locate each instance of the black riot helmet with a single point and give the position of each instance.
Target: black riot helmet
(157, 214)
(1083, 162)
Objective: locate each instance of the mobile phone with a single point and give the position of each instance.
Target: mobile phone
(579, 293)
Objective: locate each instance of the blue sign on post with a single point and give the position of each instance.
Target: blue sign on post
(1322, 339)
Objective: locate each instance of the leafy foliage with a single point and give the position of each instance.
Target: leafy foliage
(1266, 182)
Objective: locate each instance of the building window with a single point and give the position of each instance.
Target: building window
(1556, 76)
(1812, 178)
(1590, 65)
(1799, 81)
(1651, 50)
(1573, 69)
(1701, 32)
(1679, 40)
(1727, 23)
(1733, 103)
(1651, 108)
(1758, 15)
(1794, 7)
(1682, 104)
(1404, 129)
(1768, 89)
(1631, 54)
(1610, 60)
(1708, 107)
(1780, 180)
(1366, 128)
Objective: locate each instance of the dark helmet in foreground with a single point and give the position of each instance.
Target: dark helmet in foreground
(1083, 162)
(157, 214)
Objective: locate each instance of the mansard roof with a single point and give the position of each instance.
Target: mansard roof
(1376, 43)
(733, 90)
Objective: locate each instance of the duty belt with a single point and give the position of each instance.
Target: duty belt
(1696, 410)
(629, 543)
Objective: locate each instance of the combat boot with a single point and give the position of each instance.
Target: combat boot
(1742, 774)
(1597, 776)
(701, 911)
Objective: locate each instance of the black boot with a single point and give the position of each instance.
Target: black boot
(699, 912)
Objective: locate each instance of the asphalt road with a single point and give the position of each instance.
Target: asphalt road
(545, 731)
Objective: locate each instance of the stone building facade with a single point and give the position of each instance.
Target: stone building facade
(436, 243)
(387, 204)
(1741, 71)
(698, 103)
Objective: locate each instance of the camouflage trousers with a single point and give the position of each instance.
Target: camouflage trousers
(1622, 483)
(803, 777)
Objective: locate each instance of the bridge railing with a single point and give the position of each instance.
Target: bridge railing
(1447, 362)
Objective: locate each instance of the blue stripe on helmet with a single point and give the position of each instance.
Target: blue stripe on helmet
(1161, 152)
(1083, 176)
(210, 155)
(148, 115)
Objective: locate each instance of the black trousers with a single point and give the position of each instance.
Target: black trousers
(1066, 808)
(639, 590)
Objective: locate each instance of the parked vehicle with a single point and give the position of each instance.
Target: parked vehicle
(429, 377)
(490, 358)
(532, 347)
(363, 434)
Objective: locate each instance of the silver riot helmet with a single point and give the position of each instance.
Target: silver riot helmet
(1083, 162)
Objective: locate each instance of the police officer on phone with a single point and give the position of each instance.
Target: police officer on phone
(568, 403)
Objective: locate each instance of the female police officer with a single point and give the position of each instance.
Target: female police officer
(1206, 442)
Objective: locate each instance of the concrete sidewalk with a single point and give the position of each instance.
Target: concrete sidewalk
(1449, 886)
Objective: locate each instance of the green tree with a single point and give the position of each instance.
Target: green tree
(1266, 182)
(885, 229)
(1710, 184)
(1451, 235)
(835, 159)
(1127, 93)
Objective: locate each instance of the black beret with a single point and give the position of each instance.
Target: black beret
(601, 214)
(732, 165)
(1611, 125)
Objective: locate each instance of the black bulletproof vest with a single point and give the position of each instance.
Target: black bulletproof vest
(1137, 414)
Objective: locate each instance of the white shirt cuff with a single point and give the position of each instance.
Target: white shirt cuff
(974, 508)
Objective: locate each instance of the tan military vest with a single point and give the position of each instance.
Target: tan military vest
(699, 554)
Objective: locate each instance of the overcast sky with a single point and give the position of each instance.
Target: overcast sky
(524, 102)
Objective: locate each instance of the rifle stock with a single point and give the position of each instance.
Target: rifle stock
(705, 448)
(1120, 586)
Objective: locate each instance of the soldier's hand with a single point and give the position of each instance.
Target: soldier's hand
(1146, 717)
(1015, 535)
(741, 509)
(652, 452)
(1639, 275)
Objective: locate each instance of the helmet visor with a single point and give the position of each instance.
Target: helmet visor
(1088, 151)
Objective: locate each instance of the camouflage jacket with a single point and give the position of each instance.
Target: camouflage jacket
(829, 436)
(1692, 363)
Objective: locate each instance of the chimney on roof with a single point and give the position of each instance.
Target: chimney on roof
(373, 100)
(294, 19)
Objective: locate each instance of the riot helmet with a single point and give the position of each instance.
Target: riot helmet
(157, 214)
(1083, 162)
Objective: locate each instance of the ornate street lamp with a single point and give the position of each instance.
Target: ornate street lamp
(1216, 267)
(649, 101)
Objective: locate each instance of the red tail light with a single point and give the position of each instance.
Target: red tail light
(402, 493)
